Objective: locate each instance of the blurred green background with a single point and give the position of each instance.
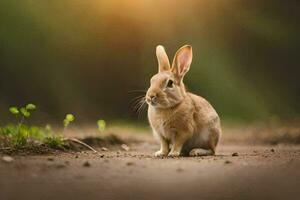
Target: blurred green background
(85, 56)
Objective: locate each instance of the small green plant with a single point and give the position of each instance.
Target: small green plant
(14, 110)
(54, 141)
(15, 136)
(24, 111)
(18, 135)
(68, 119)
(30, 106)
(101, 125)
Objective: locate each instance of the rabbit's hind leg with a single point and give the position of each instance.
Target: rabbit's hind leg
(201, 152)
(205, 144)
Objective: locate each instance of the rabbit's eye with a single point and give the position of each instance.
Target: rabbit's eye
(170, 84)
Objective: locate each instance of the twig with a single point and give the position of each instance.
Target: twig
(80, 142)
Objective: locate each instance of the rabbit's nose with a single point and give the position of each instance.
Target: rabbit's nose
(152, 98)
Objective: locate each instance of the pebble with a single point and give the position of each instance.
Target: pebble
(60, 166)
(273, 150)
(104, 149)
(129, 163)
(125, 147)
(7, 159)
(179, 170)
(235, 154)
(50, 159)
(86, 164)
(227, 162)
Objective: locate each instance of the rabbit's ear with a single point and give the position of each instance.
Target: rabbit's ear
(182, 61)
(163, 60)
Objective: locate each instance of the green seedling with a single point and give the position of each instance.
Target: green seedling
(19, 136)
(14, 110)
(24, 112)
(54, 141)
(101, 125)
(68, 119)
(30, 106)
(20, 133)
(14, 136)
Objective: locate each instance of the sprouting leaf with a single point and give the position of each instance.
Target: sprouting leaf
(30, 106)
(14, 110)
(101, 125)
(25, 112)
(69, 118)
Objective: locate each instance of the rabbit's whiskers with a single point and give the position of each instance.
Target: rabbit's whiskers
(139, 104)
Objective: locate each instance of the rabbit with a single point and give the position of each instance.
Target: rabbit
(184, 123)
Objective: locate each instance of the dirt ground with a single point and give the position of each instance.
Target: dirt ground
(256, 172)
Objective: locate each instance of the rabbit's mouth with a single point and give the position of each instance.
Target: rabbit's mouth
(151, 102)
(156, 101)
(156, 104)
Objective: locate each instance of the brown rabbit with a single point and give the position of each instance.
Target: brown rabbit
(186, 124)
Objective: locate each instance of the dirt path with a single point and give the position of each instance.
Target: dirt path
(258, 172)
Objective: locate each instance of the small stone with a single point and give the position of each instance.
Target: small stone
(104, 149)
(50, 159)
(235, 154)
(273, 150)
(129, 163)
(86, 164)
(125, 147)
(179, 170)
(60, 166)
(7, 159)
(227, 162)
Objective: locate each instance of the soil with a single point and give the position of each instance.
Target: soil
(244, 171)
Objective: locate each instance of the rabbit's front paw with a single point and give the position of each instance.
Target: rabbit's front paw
(174, 154)
(160, 154)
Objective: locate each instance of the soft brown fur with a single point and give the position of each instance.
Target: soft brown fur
(185, 124)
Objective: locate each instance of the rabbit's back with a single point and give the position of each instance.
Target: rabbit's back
(207, 131)
(204, 113)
